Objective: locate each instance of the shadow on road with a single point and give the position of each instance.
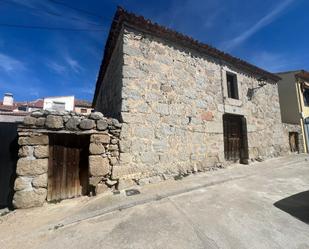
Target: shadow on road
(296, 205)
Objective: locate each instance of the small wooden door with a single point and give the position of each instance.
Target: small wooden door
(68, 166)
(235, 138)
(293, 139)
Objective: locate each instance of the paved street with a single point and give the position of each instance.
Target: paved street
(264, 205)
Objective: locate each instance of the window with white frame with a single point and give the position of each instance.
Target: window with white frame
(232, 86)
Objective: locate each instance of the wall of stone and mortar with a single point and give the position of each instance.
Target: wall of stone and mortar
(32, 166)
(173, 100)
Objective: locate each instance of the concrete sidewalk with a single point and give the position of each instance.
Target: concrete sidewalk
(230, 208)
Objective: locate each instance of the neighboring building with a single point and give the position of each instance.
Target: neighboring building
(185, 106)
(67, 103)
(9, 110)
(8, 105)
(8, 99)
(63, 103)
(83, 107)
(31, 106)
(294, 103)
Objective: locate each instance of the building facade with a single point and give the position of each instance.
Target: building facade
(67, 103)
(83, 107)
(294, 102)
(185, 106)
(59, 103)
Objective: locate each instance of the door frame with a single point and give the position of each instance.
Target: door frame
(70, 178)
(295, 136)
(243, 150)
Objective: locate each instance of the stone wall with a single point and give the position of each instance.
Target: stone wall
(32, 166)
(173, 102)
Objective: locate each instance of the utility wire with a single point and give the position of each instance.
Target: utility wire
(51, 13)
(46, 27)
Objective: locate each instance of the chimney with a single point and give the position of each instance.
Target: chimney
(8, 99)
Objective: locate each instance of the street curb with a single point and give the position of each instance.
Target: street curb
(156, 197)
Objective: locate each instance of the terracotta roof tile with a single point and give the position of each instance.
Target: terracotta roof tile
(7, 108)
(82, 103)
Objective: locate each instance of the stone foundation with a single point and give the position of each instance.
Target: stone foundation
(32, 167)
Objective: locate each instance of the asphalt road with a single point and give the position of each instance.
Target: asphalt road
(265, 207)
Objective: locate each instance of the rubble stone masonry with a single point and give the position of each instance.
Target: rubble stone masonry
(172, 103)
(32, 167)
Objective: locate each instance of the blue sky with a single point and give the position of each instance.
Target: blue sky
(35, 63)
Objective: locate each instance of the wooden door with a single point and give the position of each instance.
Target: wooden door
(68, 166)
(293, 139)
(233, 138)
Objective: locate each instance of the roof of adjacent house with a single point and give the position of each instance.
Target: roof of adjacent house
(10, 108)
(82, 103)
(123, 17)
(7, 108)
(304, 75)
(301, 74)
(35, 104)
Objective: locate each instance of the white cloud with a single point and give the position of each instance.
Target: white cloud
(264, 21)
(275, 62)
(68, 64)
(60, 69)
(73, 64)
(54, 13)
(10, 64)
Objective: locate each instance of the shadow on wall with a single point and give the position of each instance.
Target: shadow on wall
(109, 96)
(296, 205)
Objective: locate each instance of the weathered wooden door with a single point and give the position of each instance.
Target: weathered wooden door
(235, 138)
(293, 140)
(68, 166)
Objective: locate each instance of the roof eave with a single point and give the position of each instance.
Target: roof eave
(139, 22)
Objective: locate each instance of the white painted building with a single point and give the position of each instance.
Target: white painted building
(63, 103)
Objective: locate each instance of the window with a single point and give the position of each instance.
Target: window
(58, 106)
(83, 110)
(22, 108)
(232, 88)
(306, 96)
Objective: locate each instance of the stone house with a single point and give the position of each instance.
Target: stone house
(185, 106)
